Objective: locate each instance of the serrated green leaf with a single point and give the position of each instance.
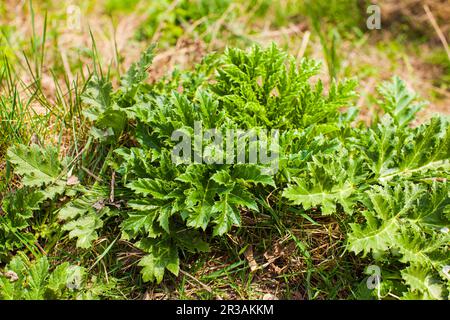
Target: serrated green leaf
(399, 102)
(419, 280)
(163, 255)
(253, 174)
(84, 229)
(37, 166)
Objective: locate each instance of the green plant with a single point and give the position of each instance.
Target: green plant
(42, 181)
(171, 19)
(385, 184)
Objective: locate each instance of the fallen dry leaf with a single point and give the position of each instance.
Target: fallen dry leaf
(269, 296)
(72, 180)
(248, 254)
(99, 205)
(11, 275)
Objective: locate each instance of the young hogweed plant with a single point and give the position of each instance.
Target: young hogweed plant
(386, 184)
(173, 204)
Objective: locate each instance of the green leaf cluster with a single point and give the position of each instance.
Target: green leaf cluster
(385, 183)
(38, 280)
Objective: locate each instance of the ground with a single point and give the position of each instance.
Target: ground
(50, 48)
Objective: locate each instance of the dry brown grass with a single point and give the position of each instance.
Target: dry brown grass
(412, 12)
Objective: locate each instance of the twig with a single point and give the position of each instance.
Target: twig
(437, 29)
(98, 179)
(41, 249)
(113, 182)
(305, 41)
